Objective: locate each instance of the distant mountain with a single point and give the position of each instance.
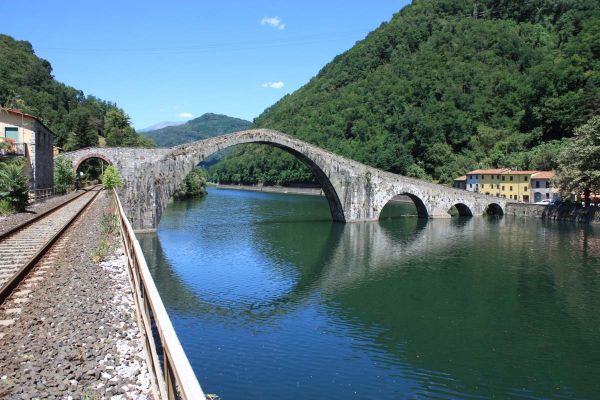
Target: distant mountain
(160, 125)
(203, 127)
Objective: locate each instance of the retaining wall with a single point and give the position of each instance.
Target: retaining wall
(562, 212)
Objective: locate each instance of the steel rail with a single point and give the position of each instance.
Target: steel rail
(9, 286)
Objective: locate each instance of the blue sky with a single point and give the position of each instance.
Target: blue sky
(175, 60)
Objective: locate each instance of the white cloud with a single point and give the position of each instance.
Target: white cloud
(273, 85)
(185, 115)
(275, 22)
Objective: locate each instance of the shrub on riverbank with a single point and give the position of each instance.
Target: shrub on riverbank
(194, 185)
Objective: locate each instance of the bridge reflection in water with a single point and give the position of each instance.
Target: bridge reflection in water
(397, 308)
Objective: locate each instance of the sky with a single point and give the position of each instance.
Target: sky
(176, 60)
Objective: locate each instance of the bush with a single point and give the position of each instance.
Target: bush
(194, 185)
(111, 179)
(109, 223)
(64, 176)
(14, 186)
(6, 208)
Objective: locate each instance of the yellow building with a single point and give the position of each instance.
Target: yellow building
(489, 182)
(516, 185)
(504, 182)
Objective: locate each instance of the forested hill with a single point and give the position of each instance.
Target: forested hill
(446, 86)
(203, 127)
(77, 120)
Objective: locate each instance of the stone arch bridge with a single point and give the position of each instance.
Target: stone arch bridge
(355, 192)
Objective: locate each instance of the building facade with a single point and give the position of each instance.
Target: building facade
(24, 135)
(526, 186)
(541, 186)
(460, 182)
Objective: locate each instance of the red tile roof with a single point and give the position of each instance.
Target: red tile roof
(461, 178)
(543, 175)
(489, 171)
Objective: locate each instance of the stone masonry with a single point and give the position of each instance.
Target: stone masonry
(355, 192)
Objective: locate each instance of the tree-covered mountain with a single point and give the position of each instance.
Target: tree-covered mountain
(203, 127)
(444, 87)
(77, 120)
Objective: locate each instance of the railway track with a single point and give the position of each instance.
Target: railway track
(23, 246)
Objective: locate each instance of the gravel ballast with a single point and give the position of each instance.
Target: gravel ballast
(33, 210)
(70, 330)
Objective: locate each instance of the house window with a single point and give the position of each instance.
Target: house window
(537, 184)
(511, 180)
(526, 178)
(510, 188)
(525, 188)
(470, 185)
(492, 176)
(547, 184)
(498, 177)
(503, 178)
(547, 195)
(12, 133)
(497, 186)
(483, 186)
(502, 187)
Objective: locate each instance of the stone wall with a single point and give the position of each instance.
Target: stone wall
(559, 213)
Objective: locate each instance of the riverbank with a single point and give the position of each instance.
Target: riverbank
(292, 190)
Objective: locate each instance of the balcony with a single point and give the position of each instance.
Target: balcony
(8, 148)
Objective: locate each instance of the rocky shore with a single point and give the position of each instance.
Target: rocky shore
(70, 330)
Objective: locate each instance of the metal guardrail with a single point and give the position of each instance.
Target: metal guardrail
(170, 367)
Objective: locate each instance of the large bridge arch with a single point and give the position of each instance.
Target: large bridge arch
(190, 155)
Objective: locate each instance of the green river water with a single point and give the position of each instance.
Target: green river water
(272, 300)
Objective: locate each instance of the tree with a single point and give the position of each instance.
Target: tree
(14, 185)
(64, 176)
(111, 179)
(117, 128)
(579, 162)
(194, 185)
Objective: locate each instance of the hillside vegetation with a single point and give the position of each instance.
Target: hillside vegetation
(446, 86)
(77, 120)
(203, 127)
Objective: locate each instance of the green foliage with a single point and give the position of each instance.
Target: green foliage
(111, 179)
(194, 185)
(203, 127)
(14, 186)
(102, 251)
(64, 176)
(6, 208)
(26, 82)
(109, 223)
(446, 91)
(579, 162)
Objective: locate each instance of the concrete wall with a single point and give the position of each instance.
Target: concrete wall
(558, 213)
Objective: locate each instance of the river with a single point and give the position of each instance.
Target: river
(272, 300)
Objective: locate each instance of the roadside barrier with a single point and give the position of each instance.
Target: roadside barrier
(169, 365)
